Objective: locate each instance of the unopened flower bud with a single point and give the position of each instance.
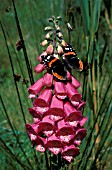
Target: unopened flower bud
(49, 49)
(50, 19)
(48, 28)
(48, 35)
(57, 27)
(43, 43)
(59, 17)
(63, 43)
(60, 35)
(69, 27)
(53, 17)
(60, 49)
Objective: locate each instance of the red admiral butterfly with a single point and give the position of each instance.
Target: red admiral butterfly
(59, 68)
(55, 66)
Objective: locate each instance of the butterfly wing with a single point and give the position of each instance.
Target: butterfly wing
(55, 65)
(59, 71)
(70, 56)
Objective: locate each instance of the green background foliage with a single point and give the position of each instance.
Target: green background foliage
(92, 39)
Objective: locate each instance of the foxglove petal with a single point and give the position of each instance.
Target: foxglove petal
(73, 94)
(54, 144)
(49, 49)
(56, 111)
(48, 79)
(32, 128)
(44, 99)
(47, 126)
(39, 68)
(36, 87)
(60, 90)
(69, 152)
(75, 83)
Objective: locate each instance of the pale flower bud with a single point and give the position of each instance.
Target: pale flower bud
(69, 26)
(48, 35)
(60, 49)
(60, 35)
(49, 49)
(43, 43)
(63, 43)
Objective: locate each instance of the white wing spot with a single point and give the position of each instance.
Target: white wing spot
(48, 57)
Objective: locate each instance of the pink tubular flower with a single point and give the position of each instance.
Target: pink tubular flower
(41, 103)
(54, 144)
(36, 87)
(34, 113)
(80, 134)
(48, 79)
(65, 132)
(81, 105)
(75, 83)
(39, 68)
(47, 126)
(44, 99)
(69, 152)
(56, 111)
(58, 122)
(40, 144)
(73, 116)
(73, 93)
(68, 75)
(33, 129)
(57, 115)
(60, 90)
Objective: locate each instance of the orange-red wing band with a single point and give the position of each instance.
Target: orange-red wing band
(80, 65)
(58, 76)
(52, 61)
(70, 53)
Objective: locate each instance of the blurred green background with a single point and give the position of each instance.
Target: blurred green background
(92, 39)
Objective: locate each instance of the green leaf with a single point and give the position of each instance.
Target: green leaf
(96, 14)
(84, 6)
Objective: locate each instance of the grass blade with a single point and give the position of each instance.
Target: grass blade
(84, 5)
(12, 67)
(24, 48)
